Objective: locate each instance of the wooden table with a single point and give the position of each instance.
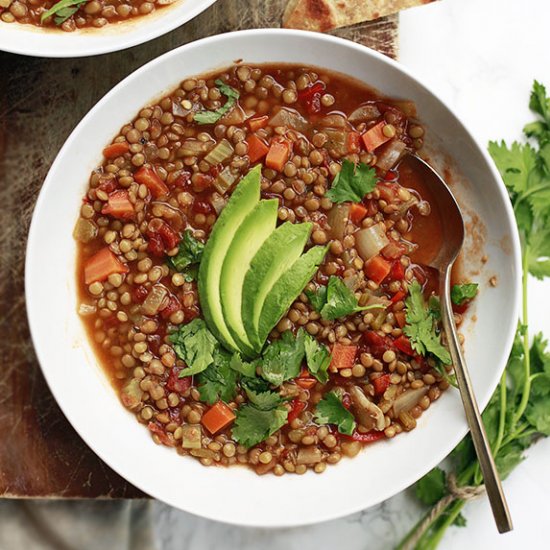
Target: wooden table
(41, 101)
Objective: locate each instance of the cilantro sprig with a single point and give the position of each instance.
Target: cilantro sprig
(461, 293)
(352, 183)
(188, 258)
(211, 117)
(518, 412)
(330, 410)
(62, 10)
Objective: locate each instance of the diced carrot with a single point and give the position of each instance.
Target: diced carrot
(354, 142)
(374, 137)
(101, 265)
(400, 318)
(257, 149)
(119, 205)
(398, 296)
(403, 344)
(357, 213)
(278, 154)
(149, 178)
(217, 417)
(116, 149)
(343, 357)
(305, 380)
(258, 123)
(377, 269)
(381, 384)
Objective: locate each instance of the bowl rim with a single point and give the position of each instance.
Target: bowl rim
(136, 32)
(507, 337)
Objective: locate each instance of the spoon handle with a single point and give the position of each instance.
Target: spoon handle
(479, 437)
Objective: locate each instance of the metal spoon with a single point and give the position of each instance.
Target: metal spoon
(452, 225)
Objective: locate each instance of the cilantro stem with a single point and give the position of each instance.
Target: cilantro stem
(502, 414)
(532, 191)
(526, 356)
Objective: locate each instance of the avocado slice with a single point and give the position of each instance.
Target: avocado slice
(242, 201)
(248, 239)
(288, 288)
(282, 248)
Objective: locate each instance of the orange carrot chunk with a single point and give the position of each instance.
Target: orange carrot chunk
(357, 213)
(278, 154)
(149, 178)
(101, 265)
(116, 149)
(258, 123)
(377, 269)
(119, 205)
(374, 137)
(217, 417)
(257, 149)
(343, 357)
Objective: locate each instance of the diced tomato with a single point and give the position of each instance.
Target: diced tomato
(403, 344)
(155, 245)
(116, 149)
(217, 417)
(169, 237)
(401, 318)
(101, 265)
(278, 154)
(374, 137)
(357, 213)
(397, 272)
(111, 321)
(388, 191)
(119, 206)
(201, 182)
(257, 123)
(391, 175)
(369, 437)
(139, 293)
(346, 401)
(343, 357)
(399, 295)
(177, 384)
(394, 250)
(190, 313)
(148, 177)
(354, 142)
(372, 208)
(381, 384)
(311, 97)
(202, 207)
(108, 185)
(161, 434)
(377, 344)
(296, 408)
(377, 269)
(173, 306)
(183, 180)
(257, 149)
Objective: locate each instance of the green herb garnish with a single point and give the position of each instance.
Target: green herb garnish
(463, 292)
(219, 380)
(317, 358)
(352, 183)
(62, 10)
(188, 258)
(210, 117)
(330, 410)
(282, 359)
(336, 300)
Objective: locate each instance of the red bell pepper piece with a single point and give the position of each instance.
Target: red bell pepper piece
(357, 213)
(381, 384)
(296, 407)
(343, 357)
(403, 344)
(377, 269)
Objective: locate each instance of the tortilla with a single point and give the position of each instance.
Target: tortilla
(324, 15)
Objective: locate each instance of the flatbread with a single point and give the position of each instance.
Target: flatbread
(324, 15)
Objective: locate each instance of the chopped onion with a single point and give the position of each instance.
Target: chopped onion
(333, 121)
(218, 202)
(338, 218)
(367, 413)
(390, 154)
(408, 399)
(191, 436)
(152, 304)
(364, 113)
(85, 230)
(289, 118)
(370, 241)
(131, 394)
(309, 455)
(235, 117)
(352, 282)
(178, 110)
(221, 152)
(374, 300)
(337, 140)
(86, 309)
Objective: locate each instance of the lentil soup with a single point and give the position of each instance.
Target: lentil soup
(341, 363)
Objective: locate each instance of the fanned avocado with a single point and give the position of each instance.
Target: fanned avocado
(242, 202)
(283, 247)
(288, 288)
(248, 239)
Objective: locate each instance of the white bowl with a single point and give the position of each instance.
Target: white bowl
(40, 42)
(237, 495)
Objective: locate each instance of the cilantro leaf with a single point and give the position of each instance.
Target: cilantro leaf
(317, 358)
(282, 358)
(263, 400)
(538, 252)
(195, 345)
(352, 183)
(242, 367)
(420, 327)
(432, 487)
(539, 102)
(463, 292)
(62, 10)
(188, 257)
(218, 381)
(253, 425)
(330, 410)
(336, 300)
(210, 117)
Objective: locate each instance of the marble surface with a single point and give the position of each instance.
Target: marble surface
(481, 57)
